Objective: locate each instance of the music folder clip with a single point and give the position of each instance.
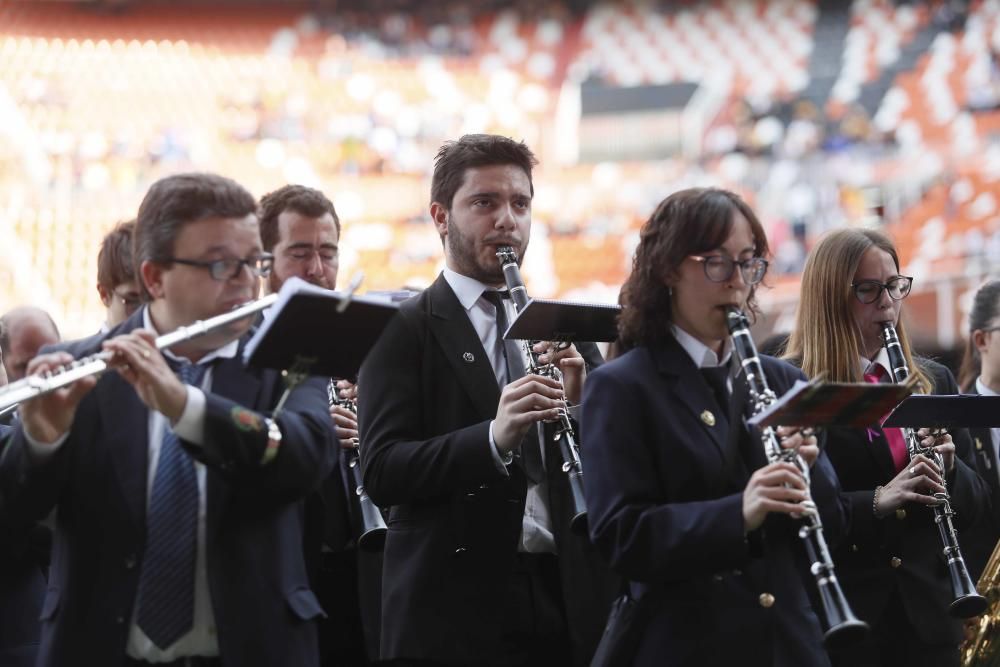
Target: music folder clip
(315, 331)
(565, 321)
(946, 411)
(824, 404)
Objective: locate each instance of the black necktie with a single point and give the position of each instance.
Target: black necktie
(716, 377)
(531, 454)
(511, 350)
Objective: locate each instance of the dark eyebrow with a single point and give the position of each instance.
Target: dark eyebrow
(306, 244)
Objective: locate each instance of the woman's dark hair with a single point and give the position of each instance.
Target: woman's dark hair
(985, 309)
(685, 223)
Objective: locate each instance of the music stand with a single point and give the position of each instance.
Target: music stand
(315, 331)
(823, 404)
(949, 411)
(565, 321)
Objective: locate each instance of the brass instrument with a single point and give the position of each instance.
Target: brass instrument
(843, 627)
(372, 531)
(967, 602)
(95, 364)
(981, 647)
(565, 434)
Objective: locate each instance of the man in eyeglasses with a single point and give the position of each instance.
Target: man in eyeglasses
(300, 227)
(116, 282)
(179, 523)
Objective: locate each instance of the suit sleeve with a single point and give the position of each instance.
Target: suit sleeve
(236, 439)
(30, 487)
(400, 464)
(642, 537)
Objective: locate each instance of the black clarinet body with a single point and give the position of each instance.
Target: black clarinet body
(565, 434)
(967, 601)
(372, 531)
(843, 628)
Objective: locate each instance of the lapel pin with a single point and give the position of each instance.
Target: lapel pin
(708, 418)
(467, 356)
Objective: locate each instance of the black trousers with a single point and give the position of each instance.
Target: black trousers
(534, 631)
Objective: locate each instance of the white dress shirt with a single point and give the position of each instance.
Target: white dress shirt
(702, 355)
(994, 432)
(536, 526)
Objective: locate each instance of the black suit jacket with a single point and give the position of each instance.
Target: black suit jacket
(264, 609)
(665, 488)
(427, 395)
(23, 557)
(864, 560)
(980, 539)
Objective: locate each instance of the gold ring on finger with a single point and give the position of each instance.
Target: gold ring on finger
(913, 471)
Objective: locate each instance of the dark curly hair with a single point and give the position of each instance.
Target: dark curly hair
(686, 223)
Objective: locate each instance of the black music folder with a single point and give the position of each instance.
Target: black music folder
(825, 404)
(949, 411)
(318, 331)
(543, 319)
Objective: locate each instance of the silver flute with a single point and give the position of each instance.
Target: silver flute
(565, 434)
(39, 384)
(843, 627)
(967, 601)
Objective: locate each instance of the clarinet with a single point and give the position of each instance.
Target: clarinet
(843, 627)
(371, 533)
(967, 602)
(565, 434)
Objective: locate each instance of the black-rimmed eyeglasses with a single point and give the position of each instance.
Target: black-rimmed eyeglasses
(870, 291)
(720, 268)
(227, 269)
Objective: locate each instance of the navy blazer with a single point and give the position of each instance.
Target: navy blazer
(902, 554)
(427, 393)
(23, 554)
(665, 501)
(264, 609)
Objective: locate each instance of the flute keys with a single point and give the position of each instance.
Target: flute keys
(708, 418)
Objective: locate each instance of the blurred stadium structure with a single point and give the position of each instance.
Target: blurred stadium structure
(821, 113)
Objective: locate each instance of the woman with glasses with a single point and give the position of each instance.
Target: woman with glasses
(891, 564)
(681, 498)
(980, 374)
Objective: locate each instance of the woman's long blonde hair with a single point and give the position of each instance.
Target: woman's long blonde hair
(825, 339)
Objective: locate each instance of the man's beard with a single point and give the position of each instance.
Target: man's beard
(463, 254)
(274, 281)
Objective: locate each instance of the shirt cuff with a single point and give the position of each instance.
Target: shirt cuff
(499, 460)
(191, 426)
(41, 452)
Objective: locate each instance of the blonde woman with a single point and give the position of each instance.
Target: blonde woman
(890, 565)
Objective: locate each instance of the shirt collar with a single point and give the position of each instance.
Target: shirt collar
(468, 290)
(983, 389)
(227, 351)
(881, 359)
(701, 354)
